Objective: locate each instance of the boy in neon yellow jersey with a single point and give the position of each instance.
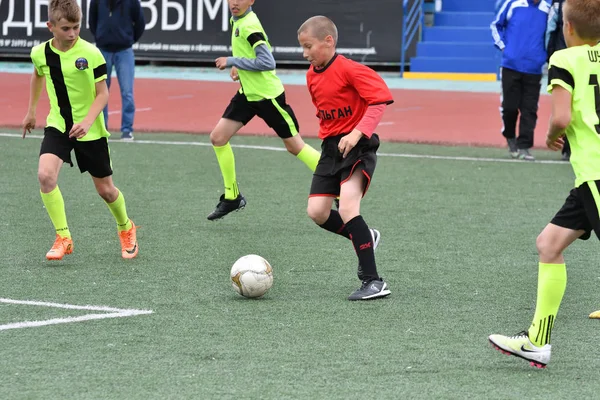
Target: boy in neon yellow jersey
(75, 74)
(261, 94)
(574, 75)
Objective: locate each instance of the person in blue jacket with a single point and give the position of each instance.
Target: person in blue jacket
(116, 26)
(519, 32)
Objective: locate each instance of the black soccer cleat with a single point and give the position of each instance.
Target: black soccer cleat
(370, 290)
(226, 206)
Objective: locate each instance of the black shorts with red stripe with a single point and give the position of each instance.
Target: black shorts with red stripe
(333, 170)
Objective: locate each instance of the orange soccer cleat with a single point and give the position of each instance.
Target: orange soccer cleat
(61, 246)
(129, 245)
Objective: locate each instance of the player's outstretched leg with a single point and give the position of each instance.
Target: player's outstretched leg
(304, 152)
(519, 345)
(534, 344)
(232, 199)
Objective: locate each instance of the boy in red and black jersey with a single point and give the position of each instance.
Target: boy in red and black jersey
(350, 99)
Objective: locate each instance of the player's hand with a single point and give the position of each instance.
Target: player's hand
(234, 74)
(221, 63)
(348, 142)
(556, 144)
(28, 124)
(79, 130)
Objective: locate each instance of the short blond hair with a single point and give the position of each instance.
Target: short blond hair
(320, 27)
(584, 15)
(67, 9)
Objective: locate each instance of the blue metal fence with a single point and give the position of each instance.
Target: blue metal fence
(412, 27)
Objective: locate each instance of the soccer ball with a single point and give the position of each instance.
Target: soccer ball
(251, 276)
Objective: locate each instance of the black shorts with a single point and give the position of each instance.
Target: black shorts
(333, 170)
(580, 211)
(275, 112)
(92, 156)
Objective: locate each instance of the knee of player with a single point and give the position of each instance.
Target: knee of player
(217, 139)
(47, 178)
(546, 247)
(318, 214)
(108, 193)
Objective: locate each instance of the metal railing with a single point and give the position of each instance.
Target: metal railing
(412, 26)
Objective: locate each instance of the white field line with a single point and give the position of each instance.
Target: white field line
(272, 148)
(109, 312)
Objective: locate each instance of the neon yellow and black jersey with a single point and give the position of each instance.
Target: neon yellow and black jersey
(247, 33)
(71, 78)
(577, 69)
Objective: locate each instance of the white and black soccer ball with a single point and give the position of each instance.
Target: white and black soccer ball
(251, 276)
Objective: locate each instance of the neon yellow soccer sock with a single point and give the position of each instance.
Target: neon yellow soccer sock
(309, 156)
(227, 165)
(552, 281)
(119, 211)
(55, 206)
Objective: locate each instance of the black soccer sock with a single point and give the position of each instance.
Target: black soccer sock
(360, 234)
(335, 224)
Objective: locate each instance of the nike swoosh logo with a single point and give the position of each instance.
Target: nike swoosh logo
(523, 349)
(132, 250)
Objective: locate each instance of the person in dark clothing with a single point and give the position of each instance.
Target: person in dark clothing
(116, 26)
(518, 31)
(555, 41)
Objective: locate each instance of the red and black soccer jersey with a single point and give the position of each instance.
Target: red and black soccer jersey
(342, 91)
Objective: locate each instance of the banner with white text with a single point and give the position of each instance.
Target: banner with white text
(198, 30)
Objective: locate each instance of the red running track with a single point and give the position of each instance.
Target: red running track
(420, 116)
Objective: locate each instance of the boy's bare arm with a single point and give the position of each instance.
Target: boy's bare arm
(35, 90)
(81, 129)
(560, 118)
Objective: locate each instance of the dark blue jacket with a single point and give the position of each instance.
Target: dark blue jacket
(116, 24)
(519, 31)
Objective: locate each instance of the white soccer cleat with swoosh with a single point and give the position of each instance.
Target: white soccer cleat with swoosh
(519, 345)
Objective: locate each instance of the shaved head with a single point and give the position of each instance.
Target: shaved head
(320, 27)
